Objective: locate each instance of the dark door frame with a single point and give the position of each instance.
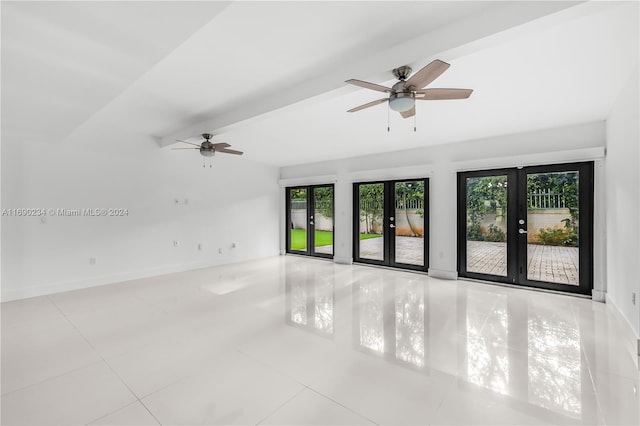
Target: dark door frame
(512, 249)
(516, 210)
(388, 233)
(310, 251)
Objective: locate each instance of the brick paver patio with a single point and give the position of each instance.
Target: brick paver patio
(545, 263)
(555, 264)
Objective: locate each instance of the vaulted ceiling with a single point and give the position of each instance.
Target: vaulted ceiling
(268, 77)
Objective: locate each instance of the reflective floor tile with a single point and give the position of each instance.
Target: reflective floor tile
(311, 408)
(299, 340)
(39, 351)
(232, 389)
(133, 414)
(26, 312)
(75, 398)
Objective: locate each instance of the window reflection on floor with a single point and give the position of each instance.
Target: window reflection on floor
(488, 361)
(299, 303)
(554, 365)
(390, 320)
(324, 307)
(310, 301)
(532, 356)
(371, 316)
(409, 306)
(551, 369)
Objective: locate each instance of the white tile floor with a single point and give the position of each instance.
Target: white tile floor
(290, 340)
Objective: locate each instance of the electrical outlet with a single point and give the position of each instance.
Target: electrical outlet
(175, 243)
(233, 245)
(176, 201)
(633, 298)
(220, 250)
(199, 247)
(92, 261)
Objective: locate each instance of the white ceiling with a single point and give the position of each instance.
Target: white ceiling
(268, 77)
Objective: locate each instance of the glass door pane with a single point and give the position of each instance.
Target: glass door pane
(486, 225)
(298, 219)
(553, 227)
(547, 240)
(371, 211)
(322, 219)
(408, 221)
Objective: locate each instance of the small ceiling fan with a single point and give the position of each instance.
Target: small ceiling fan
(403, 94)
(208, 149)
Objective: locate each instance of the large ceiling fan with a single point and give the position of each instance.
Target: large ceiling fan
(208, 149)
(403, 94)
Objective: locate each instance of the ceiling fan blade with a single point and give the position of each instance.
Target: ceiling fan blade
(185, 148)
(190, 143)
(371, 86)
(439, 94)
(367, 105)
(221, 145)
(229, 151)
(427, 74)
(409, 113)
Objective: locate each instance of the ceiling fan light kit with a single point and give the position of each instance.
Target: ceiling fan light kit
(402, 101)
(403, 94)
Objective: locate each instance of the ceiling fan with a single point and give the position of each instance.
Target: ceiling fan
(208, 149)
(403, 94)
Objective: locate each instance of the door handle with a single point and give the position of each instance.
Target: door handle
(522, 231)
(311, 223)
(392, 226)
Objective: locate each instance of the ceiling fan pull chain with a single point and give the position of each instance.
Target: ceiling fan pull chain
(203, 161)
(388, 117)
(414, 119)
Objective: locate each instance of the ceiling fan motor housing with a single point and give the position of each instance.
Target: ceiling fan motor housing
(402, 72)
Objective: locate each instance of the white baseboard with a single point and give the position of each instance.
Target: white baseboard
(343, 260)
(631, 339)
(598, 295)
(443, 273)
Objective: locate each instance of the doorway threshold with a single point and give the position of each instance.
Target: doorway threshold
(522, 287)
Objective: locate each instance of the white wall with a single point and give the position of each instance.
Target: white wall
(236, 201)
(623, 202)
(440, 164)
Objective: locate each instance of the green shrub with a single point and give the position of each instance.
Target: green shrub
(558, 237)
(495, 234)
(474, 232)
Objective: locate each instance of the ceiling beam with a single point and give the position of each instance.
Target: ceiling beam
(493, 21)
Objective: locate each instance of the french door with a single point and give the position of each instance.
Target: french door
(310, 220)
(391, 223)
(530, 226)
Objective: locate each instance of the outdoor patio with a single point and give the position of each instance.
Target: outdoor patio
(409, 250)
(555, 264)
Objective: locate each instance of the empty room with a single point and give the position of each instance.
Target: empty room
(309, 212)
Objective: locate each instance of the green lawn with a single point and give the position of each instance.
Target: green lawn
(367, 236)
(299, 239)
(323, 238)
